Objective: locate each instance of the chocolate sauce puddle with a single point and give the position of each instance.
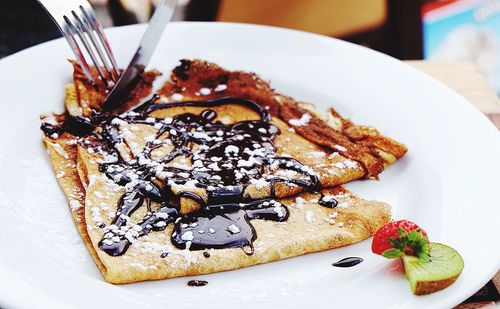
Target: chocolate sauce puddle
(225, 229)
(225, 159)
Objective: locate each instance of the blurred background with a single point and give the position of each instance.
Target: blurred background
(406, 29)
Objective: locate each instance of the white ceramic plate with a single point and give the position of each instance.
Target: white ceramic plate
(447, 182)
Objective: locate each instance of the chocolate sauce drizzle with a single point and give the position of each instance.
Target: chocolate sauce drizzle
(225, 160)
(327, 201)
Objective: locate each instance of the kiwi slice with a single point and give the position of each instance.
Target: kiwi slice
(428, 277)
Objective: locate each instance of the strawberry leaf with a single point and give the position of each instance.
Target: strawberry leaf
(402, 233)
(409, 243)
(414, 235)
(395, 243)
(426, 248)
(392, 253)
(424, 257)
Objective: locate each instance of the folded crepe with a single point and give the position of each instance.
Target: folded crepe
(216, 172)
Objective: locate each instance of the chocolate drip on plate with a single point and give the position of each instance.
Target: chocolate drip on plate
(197, 283)
(348, 262)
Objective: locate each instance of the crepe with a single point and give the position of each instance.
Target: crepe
(356, 152)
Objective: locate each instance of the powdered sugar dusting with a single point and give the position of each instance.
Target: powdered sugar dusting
(310, 217)
(58, 148)
(43, 215)
(300, 122)
(317, 154)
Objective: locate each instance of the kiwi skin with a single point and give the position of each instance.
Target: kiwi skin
(422, 288)
(421, 285)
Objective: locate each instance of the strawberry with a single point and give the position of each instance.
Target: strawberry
(400, 238)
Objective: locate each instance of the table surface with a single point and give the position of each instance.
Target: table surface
(464, 78)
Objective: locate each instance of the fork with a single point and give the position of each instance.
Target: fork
(78, 23)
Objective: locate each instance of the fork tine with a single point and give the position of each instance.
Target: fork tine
(92, 28)
(79, 29)
(67, 32)
(77, 21)
(96, 26)
(90, 35)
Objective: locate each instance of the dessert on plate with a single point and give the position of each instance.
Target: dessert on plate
(216, 171)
